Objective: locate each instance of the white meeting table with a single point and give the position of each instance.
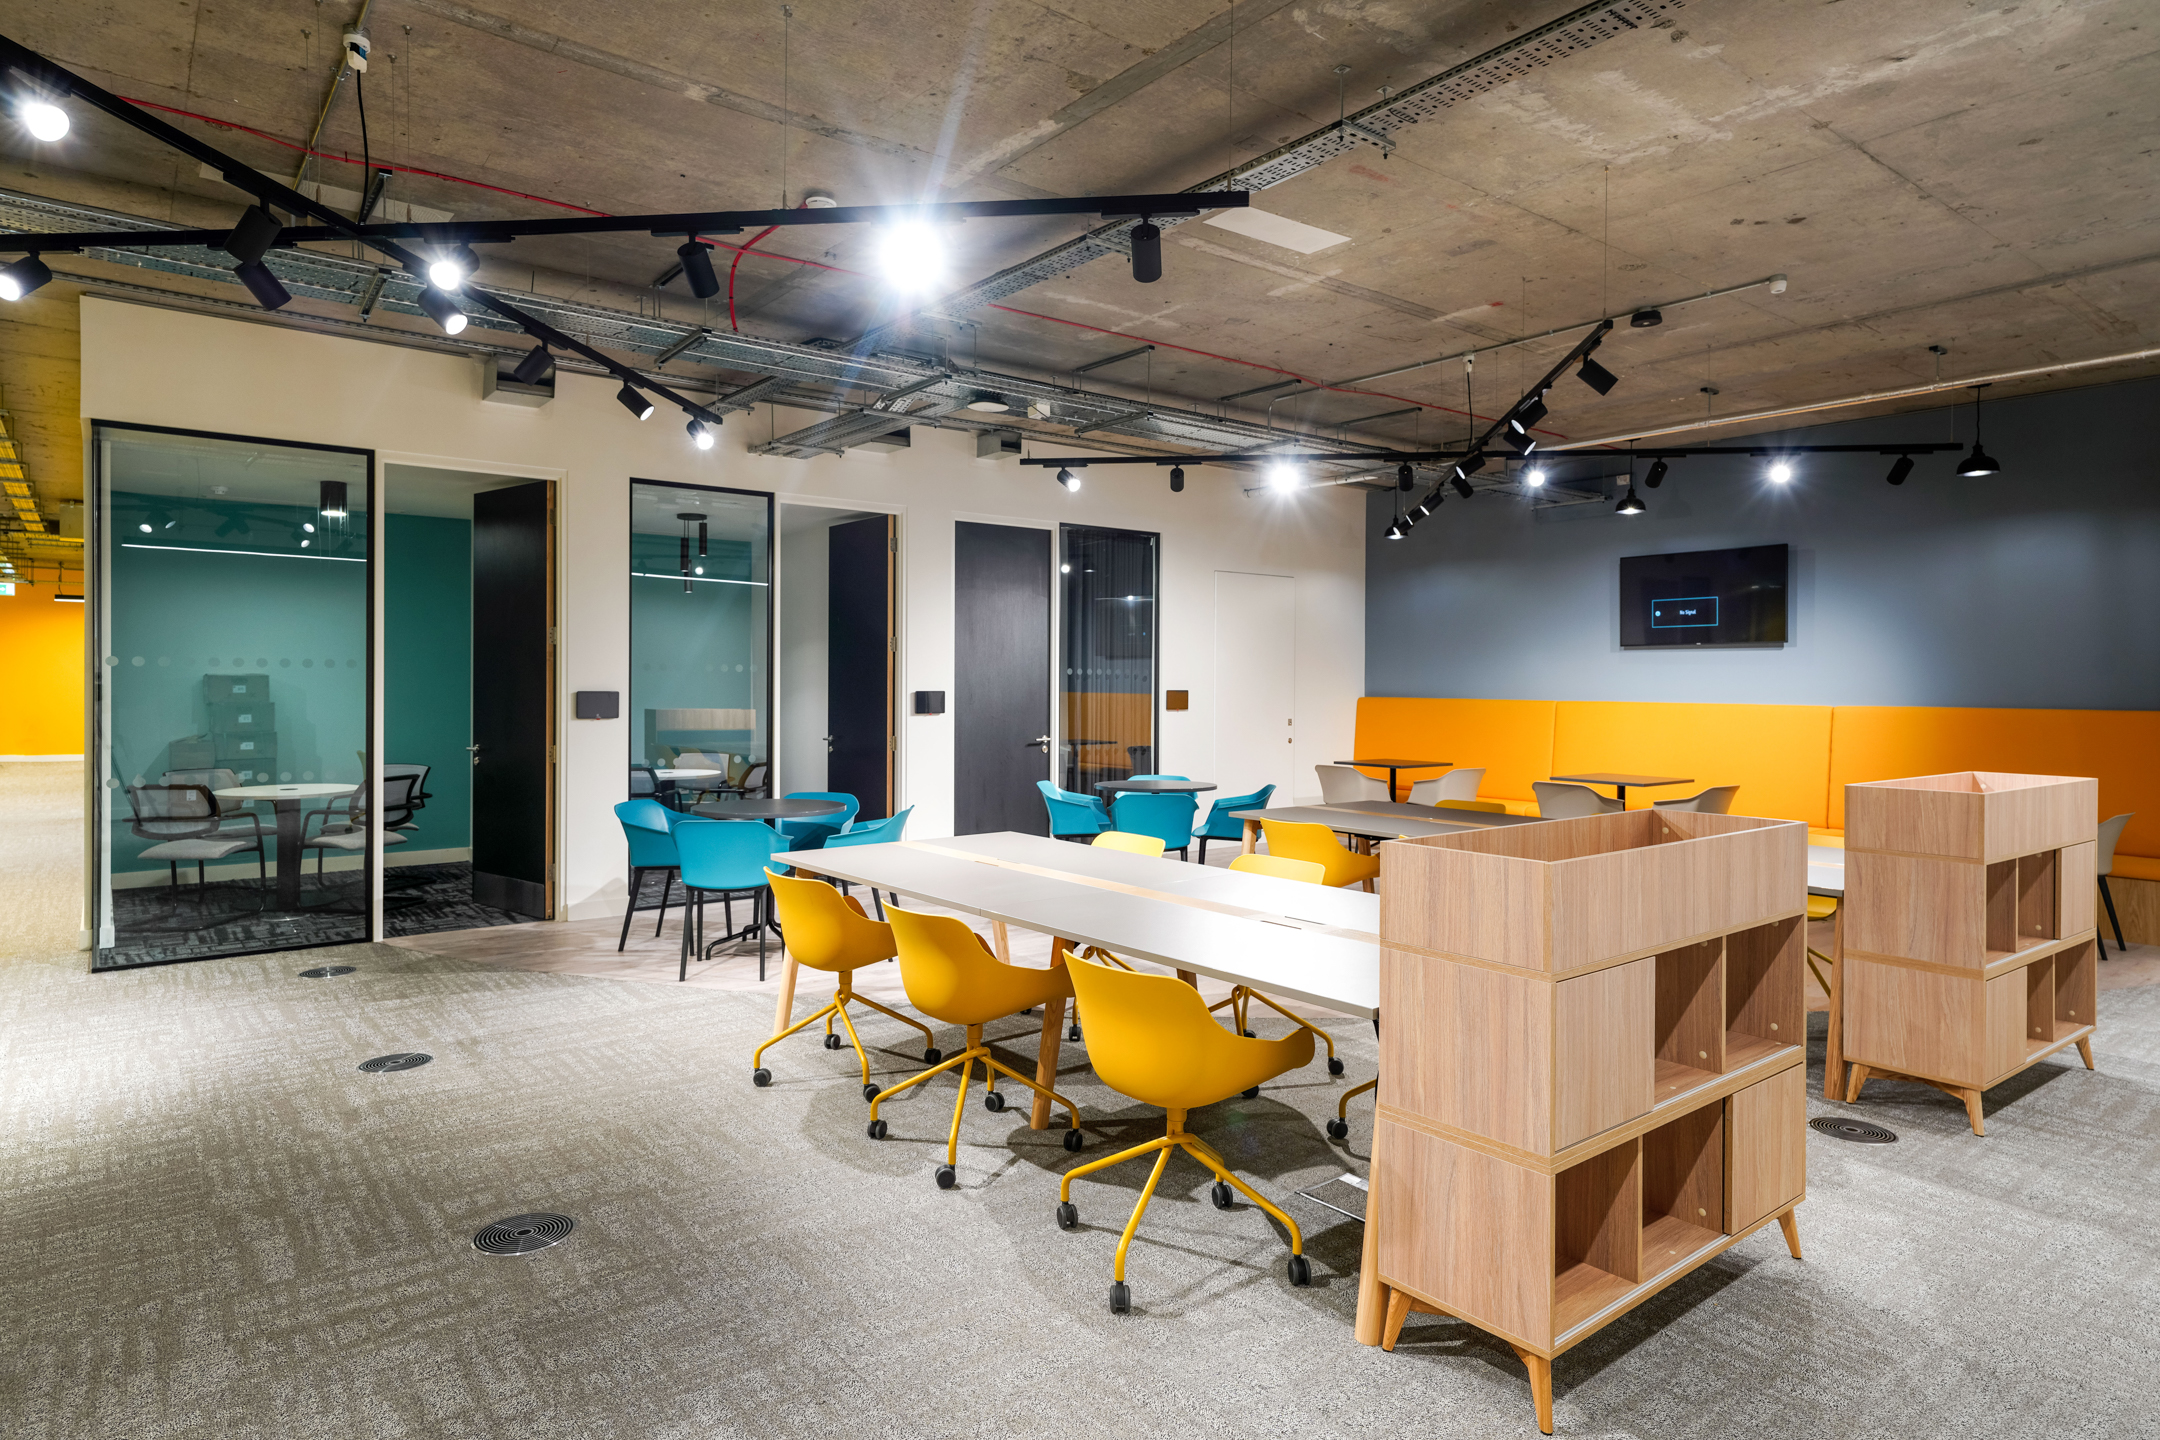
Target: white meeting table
(1292, 959)
(290, 803)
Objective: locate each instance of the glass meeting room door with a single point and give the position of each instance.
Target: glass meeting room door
(231, 695)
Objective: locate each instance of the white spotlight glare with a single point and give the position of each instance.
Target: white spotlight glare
(1780, 472)
(911, 254)
(43, 119)
(445, 274)
(1282, 476)
(1534, 477)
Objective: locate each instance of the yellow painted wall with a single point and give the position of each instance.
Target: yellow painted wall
(41, 650)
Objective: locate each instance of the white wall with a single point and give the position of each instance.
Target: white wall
(165, 367)
(805, 603)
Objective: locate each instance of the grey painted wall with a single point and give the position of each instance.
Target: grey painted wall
(2039, 587)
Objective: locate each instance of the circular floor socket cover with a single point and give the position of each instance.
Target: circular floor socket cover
(523, 1234)
(1837, 1127)
(324, 972)
(404, 1060)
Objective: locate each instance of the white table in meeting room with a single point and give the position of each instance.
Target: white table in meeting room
(291, 803)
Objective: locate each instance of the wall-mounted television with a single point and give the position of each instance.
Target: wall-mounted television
(1704, 597)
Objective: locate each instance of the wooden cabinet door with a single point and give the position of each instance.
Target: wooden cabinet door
(1765, 1148)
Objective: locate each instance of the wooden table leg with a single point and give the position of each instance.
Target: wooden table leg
(1000, 941)
(1833, 1071)
(1190, 977)
(1046, 1063)
(784, 1015)
(1372, 1296)
(1252, 837)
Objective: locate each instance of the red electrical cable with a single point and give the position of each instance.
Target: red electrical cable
(742, 250)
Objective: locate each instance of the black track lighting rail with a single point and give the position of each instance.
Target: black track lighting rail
(1252, 457)
(1762, 451)
(687, 223)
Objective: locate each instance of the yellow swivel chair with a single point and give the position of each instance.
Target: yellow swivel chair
(1318, 844)
(1146, 845)
(951, 975)
(1281, 868)
(1151, 1037)
(829, 931)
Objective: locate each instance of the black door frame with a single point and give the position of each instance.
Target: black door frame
(97, 722)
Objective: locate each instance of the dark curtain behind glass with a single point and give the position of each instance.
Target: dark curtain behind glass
(1106, 654)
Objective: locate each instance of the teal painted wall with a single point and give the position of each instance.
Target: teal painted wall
(181, 614)
(427, 669)
(701, 650)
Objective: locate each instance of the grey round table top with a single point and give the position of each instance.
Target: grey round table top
(761, 808)
(1156, 787)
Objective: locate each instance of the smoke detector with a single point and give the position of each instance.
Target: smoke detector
(819, 199)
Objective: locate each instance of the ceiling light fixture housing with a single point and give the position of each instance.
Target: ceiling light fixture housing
(1978, 463)
(1899, 469)
(533, 366)
(1146, 252)
(1656, 477)
(331, 500)
(269, 291)
(701, 434)
(253, 234)
(1631, 503)
(1067, 478)
(25, 275)
(1177, 479)
(697, 268)
(1596, 376)
(443, 310)
(1644, 319)
(450, 269)
(989, 402)
(634, 401)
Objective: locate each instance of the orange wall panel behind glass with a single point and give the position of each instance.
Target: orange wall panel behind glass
(41, 646)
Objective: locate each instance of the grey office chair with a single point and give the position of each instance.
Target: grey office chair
(1717, 800)
(419, 797)
(185, 822)
(1558, 800)
(2110, 832)
(1458, 784)
(232, 815)
(1341, 785)
(347, 829)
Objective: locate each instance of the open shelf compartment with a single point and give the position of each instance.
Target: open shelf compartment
(1689, 1028)
(1683, 1188)
(1597, 1234)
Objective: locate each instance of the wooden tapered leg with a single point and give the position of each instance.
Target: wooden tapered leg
(1190, 977)
(1398, 1310)
(1540, 1370)
(1372, 1296)
(1834, 1047)
(1046, 1063)
(1000, 942)
(2085, 1051)
(1252, 837)
(1858, 1078)
(784, 1014)
(1972, 1111)
(1790, 1224)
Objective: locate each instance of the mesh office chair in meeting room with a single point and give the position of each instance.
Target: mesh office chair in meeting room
(1558, 800)
(1341, 785)
(345, 827)
(185, 823)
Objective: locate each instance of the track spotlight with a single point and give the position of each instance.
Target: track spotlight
(331, 501)
(1426, 506)
(43, 119)
(1282, 476)
(1177, 478)
(1405, 477)
(442, 309)
(303, 536)
(22, 277)
(1644, 319)
(1596, 376)
(634, 401)
(1066, 478)
(1146, 253)
(1397, 530)
(700, 434)
(1780, 472)
(1978, 463)
(696, 257)
(448, 270)
(533, 366)
(989, 402)
(146, 527)
(1534, 477)
(1901, 468)
(1470, 464)
(251, 238)
(1522, 442)
(1462, 486)
(308, 526)
(1656, 477)
(912, 256)
(1631, 503)
(270, 292)
(1528, 416)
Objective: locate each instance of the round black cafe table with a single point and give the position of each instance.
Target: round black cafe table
(752, 807)
(1155, 787)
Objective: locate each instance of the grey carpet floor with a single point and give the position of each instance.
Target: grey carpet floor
(215, 1226)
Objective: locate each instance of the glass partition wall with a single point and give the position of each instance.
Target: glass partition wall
(231, 606)
(700, 642)
(1107, 652)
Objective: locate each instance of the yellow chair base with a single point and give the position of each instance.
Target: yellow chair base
(1175, 1137)
(992, 1068)
(836, 1006)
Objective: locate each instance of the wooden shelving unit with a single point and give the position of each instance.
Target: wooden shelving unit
(1969, 930)
(1592, 1069)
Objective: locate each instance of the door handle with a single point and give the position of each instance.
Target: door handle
(828, 744)
(474, 751)
(1042, 743)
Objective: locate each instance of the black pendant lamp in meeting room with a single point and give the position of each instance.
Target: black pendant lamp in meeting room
(1978, 463)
